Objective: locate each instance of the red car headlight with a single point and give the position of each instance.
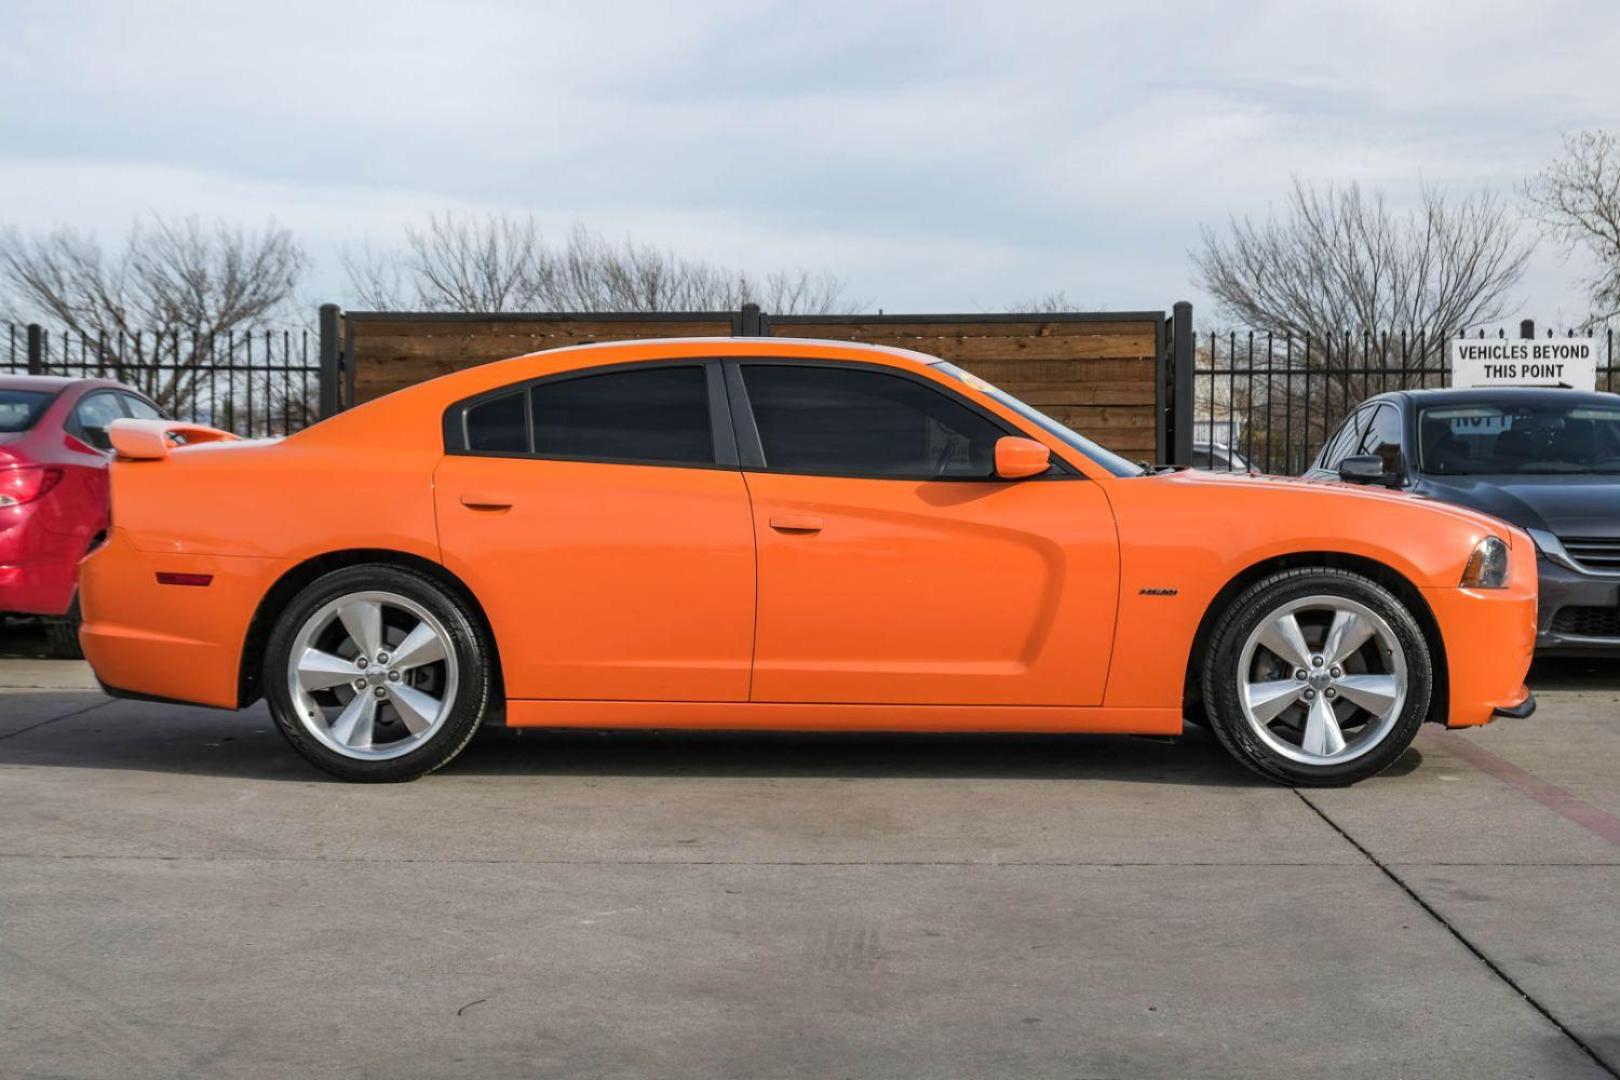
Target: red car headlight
(25, 483)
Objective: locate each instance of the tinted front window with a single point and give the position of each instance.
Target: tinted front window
(654, 415)
(851, 422)
(21, 409)
(1109, 460)
(1577, 436)
(499, 426)
(1383, 437)
(1344, 440)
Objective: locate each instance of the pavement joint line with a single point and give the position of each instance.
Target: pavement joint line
(1479, 954)
(54, 719)
(1003, 864)
(1145, 864)
(1560, 801)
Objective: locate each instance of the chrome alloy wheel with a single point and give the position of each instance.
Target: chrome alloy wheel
(1322, 680)
(372, 675)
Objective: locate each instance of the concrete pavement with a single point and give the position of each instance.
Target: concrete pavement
(181, 896)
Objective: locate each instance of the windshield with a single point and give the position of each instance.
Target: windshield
(1545, 437)
(1102, 456)
(21, 409)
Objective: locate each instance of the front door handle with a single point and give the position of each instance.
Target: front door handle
(796, 522)
(486, 500)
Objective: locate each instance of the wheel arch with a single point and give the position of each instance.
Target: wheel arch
(250, 671)
(1382, 573)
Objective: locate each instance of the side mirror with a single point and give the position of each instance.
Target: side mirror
(1367, 469)
(1017, 458)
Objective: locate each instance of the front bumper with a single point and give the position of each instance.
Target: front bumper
(1580, 613)
(1489, 637)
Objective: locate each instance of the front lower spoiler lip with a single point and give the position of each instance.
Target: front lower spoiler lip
(1522, 711)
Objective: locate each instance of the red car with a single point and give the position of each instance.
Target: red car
(53, 491)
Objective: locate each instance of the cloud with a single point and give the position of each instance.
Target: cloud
(939, 156)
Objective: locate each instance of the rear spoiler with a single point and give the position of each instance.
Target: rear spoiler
(151, 440)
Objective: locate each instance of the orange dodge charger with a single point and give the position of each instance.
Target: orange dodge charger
(782, 534)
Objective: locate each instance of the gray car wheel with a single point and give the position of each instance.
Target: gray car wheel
(1317, 676)
(378, 673)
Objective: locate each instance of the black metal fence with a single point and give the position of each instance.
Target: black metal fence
(254, 383)
(1268, 401)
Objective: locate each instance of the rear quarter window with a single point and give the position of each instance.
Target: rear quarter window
(20, 410)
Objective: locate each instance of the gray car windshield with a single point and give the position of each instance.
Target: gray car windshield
(1542, 437)
(20, 409)
(1101, 455)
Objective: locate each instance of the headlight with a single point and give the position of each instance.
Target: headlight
(1488, 566)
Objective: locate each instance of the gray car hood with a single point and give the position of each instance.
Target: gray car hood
(1574, 505)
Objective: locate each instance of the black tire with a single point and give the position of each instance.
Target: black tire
(62, 634)
(1222, 679)
(473, 655)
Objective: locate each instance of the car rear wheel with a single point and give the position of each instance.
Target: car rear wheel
(62, 634)
(1317, 677)
(378, 673)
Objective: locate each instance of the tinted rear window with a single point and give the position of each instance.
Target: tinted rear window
(498, 426)
(654, 415)
(21, 409)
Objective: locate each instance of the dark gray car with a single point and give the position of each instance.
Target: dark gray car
(1547, 461)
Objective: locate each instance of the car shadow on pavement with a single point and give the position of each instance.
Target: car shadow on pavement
(1194, 759)
(1575, 674)
(22, 639)
(151, 737)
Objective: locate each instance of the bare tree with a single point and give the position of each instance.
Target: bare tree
(175, 294)
(376, 280)
(1577, 198)
(1341, 284)
(1341, 261)
(502, 263)
(1055, 302)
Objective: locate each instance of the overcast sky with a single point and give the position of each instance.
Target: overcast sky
(937, 156)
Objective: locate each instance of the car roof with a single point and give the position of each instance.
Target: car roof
(747, 346)
(1500, 395)
(52, 384)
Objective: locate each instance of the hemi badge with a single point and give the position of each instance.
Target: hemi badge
(1159, 592)
(166, 578)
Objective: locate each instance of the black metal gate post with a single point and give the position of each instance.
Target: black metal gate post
(750, 322)
(1181, 384)
(36, 349)
(331, 361)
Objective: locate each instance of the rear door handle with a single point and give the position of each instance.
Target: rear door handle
(486, 500)
(796, 522)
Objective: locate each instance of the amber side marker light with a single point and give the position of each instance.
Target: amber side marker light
(198, 580)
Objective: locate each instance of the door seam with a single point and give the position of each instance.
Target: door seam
(753, 532)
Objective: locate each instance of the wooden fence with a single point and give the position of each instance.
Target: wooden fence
(1100, 373)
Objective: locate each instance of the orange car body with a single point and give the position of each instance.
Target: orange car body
(634, 595)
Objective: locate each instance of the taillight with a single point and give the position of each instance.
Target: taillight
(25, 483)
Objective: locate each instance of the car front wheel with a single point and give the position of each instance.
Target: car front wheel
(1317, 677)
(377, 673)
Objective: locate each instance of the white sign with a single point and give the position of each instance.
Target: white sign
(1568, 362)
